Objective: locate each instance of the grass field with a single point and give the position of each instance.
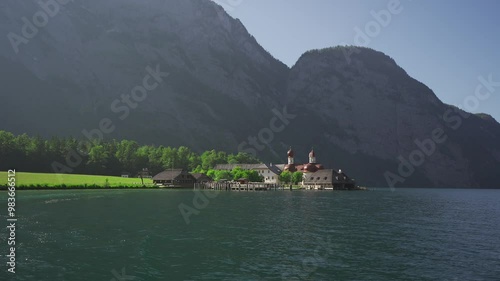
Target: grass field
(70, 180)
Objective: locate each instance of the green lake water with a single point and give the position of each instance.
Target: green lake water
(408, 234)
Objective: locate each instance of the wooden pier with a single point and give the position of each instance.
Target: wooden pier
(236, 186)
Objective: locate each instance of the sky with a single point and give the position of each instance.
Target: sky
(445, 44)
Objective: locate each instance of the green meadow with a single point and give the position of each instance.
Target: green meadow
(71, 180)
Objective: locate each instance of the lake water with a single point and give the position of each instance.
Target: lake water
(409, 234)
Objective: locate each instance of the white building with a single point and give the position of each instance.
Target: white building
(269, 172)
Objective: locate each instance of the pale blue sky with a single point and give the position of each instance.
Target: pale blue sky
(445, 44)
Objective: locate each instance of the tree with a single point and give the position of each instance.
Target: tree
(297, 177)
(7, 150)
(36, 154)
(211, 158)
(182, 159)
(98, 159)
(242, 158)
(55, 149)
(211, 174)
(238, 173)
(194, 162)
(254, 176)
(142, 158)
(113, 167)
(155, 161)
(286, 177)
(111, 157)
(221, 174)
(125, 153)
(169, 158)
(199, 169)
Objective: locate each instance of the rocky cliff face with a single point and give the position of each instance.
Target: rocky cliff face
(92, 52)
(223, 88)
(371, 109)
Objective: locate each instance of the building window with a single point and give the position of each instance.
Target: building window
(326, 178)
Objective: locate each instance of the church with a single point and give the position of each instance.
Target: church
(315, 176)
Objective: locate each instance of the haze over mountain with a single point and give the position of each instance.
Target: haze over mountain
(223, 90)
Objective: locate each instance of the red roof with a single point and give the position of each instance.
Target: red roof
(290, 168)
(310, 168)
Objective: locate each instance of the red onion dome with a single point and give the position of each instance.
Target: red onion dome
(310, 168)
(290, 168)
(290, 152)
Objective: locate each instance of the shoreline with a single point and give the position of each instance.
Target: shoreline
(95, 187)
(88, 187)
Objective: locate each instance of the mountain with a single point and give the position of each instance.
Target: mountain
(218, 88)
(371, 112)
(93, 52)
